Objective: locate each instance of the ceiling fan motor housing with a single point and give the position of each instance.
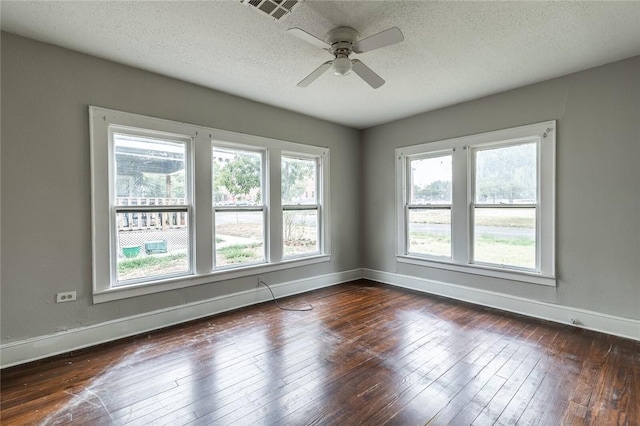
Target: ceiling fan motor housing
(341, 34)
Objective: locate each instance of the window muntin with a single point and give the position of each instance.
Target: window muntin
(150, 213)
(300, 205)
(428, 210)
(239, 208)
(502, 204)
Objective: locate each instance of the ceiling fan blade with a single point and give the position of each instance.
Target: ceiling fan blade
(315, 74)
(309, 38)
(365, 73)
(376, 41)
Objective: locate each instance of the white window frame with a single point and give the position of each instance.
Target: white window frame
(438, 206)
(463, 148)
(264, 185)
(200, 210)
(320, 200)
(115, 208)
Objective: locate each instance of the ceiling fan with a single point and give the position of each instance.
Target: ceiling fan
(342, 42)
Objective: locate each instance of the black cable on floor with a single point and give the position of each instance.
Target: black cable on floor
(310, 308)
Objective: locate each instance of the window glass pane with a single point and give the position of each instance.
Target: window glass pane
(299, 181)
(237, 177)
(506, 175)
(505, 236)
(152, 244)
(431, 180)
(300, 232)
(149, 169)
(430, 232)
(239, 237)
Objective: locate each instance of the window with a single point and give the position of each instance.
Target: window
(255, 204)
(150, 215)
(505, 204)
(481, 204)
(238, 185)
(429, 205)
(300, 205)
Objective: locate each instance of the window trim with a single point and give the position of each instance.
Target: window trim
(463, 198)
(201, 214)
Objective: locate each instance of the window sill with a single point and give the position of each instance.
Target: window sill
(141, 289)
(522, 276)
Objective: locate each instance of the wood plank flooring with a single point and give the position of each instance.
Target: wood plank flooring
(366, 354)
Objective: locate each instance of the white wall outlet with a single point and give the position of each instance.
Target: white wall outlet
(67, 296)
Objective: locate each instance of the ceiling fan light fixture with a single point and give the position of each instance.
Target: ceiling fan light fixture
(342, 65)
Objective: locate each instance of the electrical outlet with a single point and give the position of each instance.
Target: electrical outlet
(67, 296)
(260, 280)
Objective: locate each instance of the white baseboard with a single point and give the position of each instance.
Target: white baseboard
(618, 326)
(45, 346)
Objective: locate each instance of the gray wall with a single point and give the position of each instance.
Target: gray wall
(598, 184)
(46, 228)
(46, 233)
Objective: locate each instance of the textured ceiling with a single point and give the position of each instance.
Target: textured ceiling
(452, 52)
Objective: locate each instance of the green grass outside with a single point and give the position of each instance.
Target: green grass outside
(430, 243)
(517, 251)
(125, 266)
(237, 253)
(440, 218)
(157, 265)
(150, 266)
(515, 241)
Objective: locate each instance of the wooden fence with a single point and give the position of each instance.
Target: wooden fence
(134, 221)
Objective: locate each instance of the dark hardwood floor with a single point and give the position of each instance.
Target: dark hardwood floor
(366, 354)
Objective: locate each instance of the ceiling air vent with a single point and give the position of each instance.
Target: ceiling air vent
(277, 9)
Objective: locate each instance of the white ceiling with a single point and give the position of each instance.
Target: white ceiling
(452, 52)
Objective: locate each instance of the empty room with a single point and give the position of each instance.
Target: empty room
(320, 212)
